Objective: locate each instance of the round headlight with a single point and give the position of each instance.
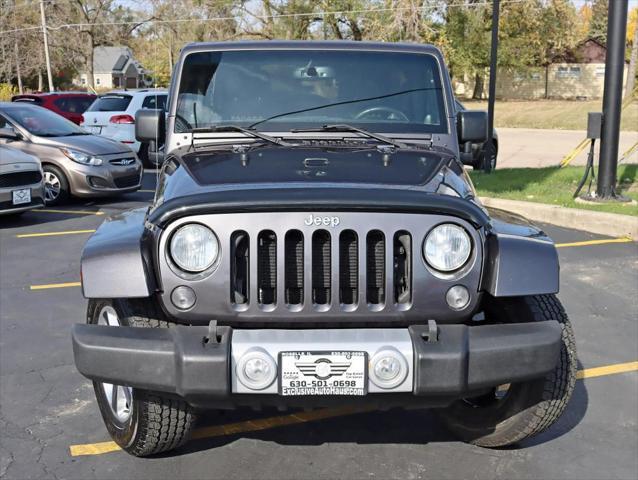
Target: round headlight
(447, 247)
(194, 248)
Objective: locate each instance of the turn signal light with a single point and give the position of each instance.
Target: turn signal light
(122, 119)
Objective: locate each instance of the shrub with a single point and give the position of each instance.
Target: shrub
(7, 91)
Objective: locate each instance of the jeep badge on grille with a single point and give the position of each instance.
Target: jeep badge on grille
(319, 221)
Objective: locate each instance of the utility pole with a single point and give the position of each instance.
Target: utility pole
(18, 71)
(46, 45)
(612, 99)
(490, 150)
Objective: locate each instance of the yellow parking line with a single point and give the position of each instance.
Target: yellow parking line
(259, 424)
(71, 212)
(93, 448)
(53, 234)
(594, 242)
(607, 370)
(55, 285)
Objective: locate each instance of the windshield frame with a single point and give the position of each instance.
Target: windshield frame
(73, 129)
(447, 125)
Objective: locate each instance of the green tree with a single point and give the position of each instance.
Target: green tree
(598, 21)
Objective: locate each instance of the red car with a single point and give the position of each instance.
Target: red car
(71, 105)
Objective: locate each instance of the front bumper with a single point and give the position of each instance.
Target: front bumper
(6, 204)
(447, 362)
(105, 180)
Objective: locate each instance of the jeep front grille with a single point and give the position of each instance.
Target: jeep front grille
(375, 254)
(348, 268)
(294, 270)
(267, 267)
(353, 269)
(321, 263)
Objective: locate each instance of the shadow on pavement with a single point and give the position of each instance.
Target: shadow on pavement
(396, 426)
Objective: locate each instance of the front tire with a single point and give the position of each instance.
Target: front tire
(486, 160)
(141, 422)
(56, 186)
(512, 413)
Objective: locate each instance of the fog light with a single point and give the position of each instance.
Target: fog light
(256, 369)
(457, 297)
(183, 297)
(388, 368)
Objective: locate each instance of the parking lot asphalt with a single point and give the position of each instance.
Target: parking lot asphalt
(50, 426)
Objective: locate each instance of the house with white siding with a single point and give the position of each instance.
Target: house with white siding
(115, 67)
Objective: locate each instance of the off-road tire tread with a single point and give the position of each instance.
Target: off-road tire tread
(164, 422)
(140, 312)
(558, 384)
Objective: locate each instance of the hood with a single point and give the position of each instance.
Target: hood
(312, 165)
(273, 167)
(301, 178)
(10, 155)
(91, 144)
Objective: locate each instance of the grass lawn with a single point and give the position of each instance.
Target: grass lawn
(553, 185)
(553, 114)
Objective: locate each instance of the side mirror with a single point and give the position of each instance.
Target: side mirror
(471, 126)
(150, 125)
(155, 155)
(10, 134)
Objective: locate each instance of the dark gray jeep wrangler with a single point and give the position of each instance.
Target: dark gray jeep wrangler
(314, 240)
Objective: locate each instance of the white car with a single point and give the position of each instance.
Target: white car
(113, 115)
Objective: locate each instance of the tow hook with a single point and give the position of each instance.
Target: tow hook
(213, 336)
(432, 335)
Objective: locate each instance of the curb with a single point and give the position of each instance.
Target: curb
(602, 223)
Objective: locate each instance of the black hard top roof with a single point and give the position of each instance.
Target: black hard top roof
(312, 45)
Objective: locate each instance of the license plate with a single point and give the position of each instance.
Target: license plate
(323, 373)
(94, 130)
(21, 196)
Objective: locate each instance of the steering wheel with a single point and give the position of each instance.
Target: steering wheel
(382, 113)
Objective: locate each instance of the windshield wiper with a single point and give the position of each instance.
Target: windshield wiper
(351, 128)
(76, 133)
(236, 128)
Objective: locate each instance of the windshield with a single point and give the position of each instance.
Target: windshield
(281, 90)
(42, 122)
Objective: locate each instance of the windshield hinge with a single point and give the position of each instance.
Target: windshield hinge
(243, 153)
(386, 151)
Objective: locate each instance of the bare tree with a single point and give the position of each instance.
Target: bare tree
(89, 14)
(631, 73)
